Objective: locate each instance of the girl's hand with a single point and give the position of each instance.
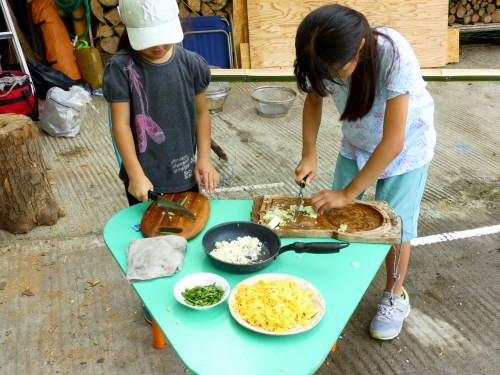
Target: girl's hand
(139, 187)
(211, 178)
(308, 166)
(326, 199)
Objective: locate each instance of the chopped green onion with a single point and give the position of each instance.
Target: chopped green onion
(203, 295)
(184, 200)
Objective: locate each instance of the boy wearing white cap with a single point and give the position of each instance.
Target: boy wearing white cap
(156, 90)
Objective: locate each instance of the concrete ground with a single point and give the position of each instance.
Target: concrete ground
(71, 327)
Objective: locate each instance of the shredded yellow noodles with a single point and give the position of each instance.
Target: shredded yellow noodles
(276, 306)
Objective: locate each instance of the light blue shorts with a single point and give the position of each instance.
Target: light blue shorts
(403, 192)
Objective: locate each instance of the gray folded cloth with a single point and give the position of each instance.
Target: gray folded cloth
(149, 258)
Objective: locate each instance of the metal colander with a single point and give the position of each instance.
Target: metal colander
(216, 94)
(273, 101)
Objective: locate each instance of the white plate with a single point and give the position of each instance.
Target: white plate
(317, 301)
(197, 279)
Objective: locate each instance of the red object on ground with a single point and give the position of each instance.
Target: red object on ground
(158, 337)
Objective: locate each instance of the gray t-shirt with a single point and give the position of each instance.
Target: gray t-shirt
(162, 112)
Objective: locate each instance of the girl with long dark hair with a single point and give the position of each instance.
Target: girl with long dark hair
(387, 116)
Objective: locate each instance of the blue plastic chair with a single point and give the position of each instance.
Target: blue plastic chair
(210, 37)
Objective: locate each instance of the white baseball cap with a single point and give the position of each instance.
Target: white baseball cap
(151, 22)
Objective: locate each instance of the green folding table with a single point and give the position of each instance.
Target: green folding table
(211, 342)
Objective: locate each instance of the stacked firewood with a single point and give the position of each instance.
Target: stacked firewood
(194, 8)
(468, 12)
(110, 27)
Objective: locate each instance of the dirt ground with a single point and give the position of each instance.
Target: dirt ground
(84, 318)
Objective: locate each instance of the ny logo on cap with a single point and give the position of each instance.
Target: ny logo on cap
(151, 9)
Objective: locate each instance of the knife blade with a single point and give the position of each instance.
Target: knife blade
(299, 198)
(170, 206)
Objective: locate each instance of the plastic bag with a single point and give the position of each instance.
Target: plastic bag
(64, 111)
(44, 78)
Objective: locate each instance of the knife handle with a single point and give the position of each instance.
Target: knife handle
(152, 195)
(303, 183)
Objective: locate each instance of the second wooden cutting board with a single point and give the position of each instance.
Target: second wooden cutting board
(367, 221)
(157, 222)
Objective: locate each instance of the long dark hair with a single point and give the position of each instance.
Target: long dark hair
(329, 38)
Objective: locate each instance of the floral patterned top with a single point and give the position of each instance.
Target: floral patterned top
(398, 73)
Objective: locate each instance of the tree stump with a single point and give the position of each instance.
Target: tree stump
(26, 199)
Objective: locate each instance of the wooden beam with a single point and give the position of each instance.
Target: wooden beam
(453, 49)
(245, 56)
(286, 75)
(240, 20)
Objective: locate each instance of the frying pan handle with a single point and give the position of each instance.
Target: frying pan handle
(315, 247)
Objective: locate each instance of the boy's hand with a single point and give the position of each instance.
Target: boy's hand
(139, 187)
(211, 178)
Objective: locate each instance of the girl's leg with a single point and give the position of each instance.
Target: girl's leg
(403, 193)
(404, 259)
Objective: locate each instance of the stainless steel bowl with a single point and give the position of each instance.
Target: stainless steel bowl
(216, 94)
(273, 101)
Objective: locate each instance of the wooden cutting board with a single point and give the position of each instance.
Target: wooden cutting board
(367, 221)
(157, 222)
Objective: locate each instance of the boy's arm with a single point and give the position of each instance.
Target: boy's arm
(122, 133)
(204, 165)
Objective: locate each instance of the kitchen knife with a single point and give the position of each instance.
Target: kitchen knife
(169, 206)
(299, 199)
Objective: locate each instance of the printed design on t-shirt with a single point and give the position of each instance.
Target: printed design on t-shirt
(143, 123)
(184, 165)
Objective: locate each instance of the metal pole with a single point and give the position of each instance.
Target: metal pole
(13, 34)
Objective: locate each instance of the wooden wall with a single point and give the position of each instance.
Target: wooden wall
(272, 25)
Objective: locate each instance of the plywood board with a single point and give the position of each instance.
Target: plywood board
(272, 25)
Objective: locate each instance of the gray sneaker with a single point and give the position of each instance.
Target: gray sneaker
(388, 322)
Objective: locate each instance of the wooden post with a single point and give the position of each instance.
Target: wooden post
(26, 199)
(453, 49)
(245, 56)
(240, 32)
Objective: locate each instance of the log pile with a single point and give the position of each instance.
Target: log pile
(473, 12)
(195, 8)
(110, 27)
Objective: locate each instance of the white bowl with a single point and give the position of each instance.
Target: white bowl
(200, 279)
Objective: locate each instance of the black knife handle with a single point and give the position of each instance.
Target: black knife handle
(315, 247)
(152, 195)
(319, 247)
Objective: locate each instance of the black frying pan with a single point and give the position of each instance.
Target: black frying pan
(271, 245)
